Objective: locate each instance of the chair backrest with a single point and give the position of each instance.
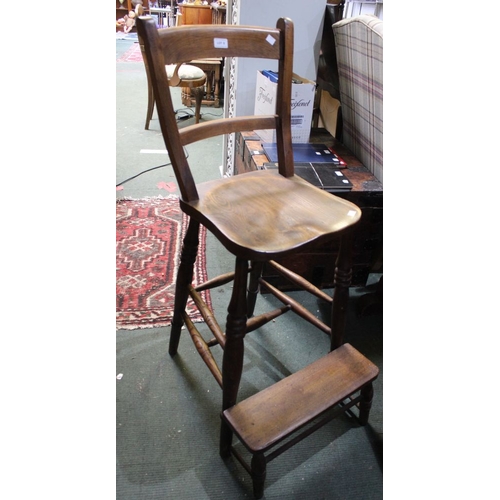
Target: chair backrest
(186, 43)
(359, 48)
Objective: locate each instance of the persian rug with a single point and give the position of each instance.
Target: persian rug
(133, 54)
(149, 235)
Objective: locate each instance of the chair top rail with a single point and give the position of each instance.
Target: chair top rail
(227, 41)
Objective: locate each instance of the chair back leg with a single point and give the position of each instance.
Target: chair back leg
(151, 106)
(184, 279)
(253, 286)
(343, 275)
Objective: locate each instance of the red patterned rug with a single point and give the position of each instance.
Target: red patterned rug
(149, 236)
(133, 54)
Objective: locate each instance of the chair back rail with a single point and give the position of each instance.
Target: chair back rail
(194, 133)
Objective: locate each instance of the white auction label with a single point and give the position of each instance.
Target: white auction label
(270, 40)
(220, 43)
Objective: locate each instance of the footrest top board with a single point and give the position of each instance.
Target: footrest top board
(266, 418)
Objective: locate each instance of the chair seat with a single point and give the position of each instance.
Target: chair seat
(186, 72)
(279, 214)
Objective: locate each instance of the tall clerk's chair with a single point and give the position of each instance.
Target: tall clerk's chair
(257, 216)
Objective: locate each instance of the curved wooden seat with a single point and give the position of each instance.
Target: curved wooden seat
(279, 214)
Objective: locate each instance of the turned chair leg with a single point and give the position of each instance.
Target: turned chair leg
(198, 93)
(184, 279)
(342, 281)
(232, 360)
(253, 286)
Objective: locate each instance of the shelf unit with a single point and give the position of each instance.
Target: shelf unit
(123, 8)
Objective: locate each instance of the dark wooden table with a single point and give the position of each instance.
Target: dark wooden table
(319, 266)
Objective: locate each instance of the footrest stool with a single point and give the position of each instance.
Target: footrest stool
(270, 416)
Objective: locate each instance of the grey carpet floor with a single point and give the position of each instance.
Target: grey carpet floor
(168, 417)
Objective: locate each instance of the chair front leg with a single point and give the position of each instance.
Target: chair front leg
(232, 360)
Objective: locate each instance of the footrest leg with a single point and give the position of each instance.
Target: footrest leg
(258, 474)
(366, 403)
(226, 438)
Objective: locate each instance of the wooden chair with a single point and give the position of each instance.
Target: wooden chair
(178, 75)
(258, 216)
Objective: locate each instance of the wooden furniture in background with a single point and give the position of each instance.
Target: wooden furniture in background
(178, 75)
(219, 14)
(258, 216)
(204, 14)
(201, 14)
(194, 14)
(213, 70)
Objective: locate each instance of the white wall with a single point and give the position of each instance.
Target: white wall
(354, 8)
(307, 18)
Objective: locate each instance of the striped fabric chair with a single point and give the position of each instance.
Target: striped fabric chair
(359, 50)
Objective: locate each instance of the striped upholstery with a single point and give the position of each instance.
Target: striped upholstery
(359, 49)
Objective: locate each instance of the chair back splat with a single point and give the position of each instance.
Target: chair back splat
(259, 217)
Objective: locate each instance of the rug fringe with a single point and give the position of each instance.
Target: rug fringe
(152, 325)
(148, 198)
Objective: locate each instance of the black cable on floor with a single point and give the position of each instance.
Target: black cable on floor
(185, 116)
(149, 170)
(143, 172)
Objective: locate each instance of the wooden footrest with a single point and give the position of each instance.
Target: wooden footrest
(263, 420)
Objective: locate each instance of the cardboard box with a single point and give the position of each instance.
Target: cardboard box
(328, 112)
(302, 106)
